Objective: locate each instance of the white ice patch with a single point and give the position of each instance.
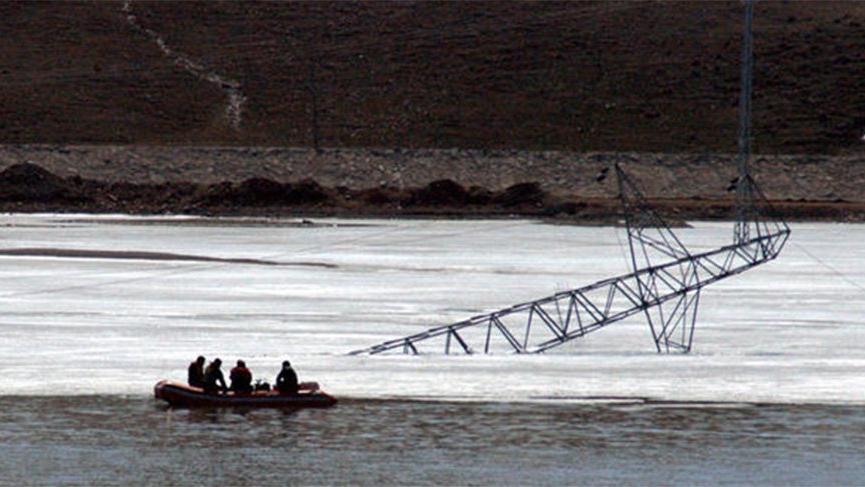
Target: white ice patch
(789, 331)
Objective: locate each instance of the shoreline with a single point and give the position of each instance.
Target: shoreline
(449, 184)
(28, 188)
(677, 175)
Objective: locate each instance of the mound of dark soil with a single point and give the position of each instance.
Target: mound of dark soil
(478, 195)
(142, 198)
(264, 192)
(307, 192)
(522, 194)
(384, 195)
(257, 192)
(443, 192)
(30, 183)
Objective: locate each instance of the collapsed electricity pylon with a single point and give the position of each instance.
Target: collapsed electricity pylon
(667, 293)
(665, 284)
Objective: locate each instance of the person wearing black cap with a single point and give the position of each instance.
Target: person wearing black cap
(213, 378)
(195, 375)
(286, 381)
(241, 378)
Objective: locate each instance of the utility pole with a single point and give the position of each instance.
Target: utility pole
(312, 89)
(744, 197)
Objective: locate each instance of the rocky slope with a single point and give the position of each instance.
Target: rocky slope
(26, 187)
(704, 175)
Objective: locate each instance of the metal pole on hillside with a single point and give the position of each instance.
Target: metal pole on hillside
(743, 187)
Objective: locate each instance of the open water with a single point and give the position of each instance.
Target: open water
(94, 440)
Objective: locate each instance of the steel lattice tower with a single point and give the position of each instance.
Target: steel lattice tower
(666, 279)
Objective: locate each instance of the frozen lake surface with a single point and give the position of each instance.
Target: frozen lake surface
(790, 331)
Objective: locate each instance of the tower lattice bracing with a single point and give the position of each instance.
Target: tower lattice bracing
(664, 286)
(665, 282)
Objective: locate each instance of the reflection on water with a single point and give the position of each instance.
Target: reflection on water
(118, 440)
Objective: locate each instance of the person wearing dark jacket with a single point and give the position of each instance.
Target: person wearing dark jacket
(241, 378)
(195, 375)
(213, 378)
(286, 381)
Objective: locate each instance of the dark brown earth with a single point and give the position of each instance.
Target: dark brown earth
(28, 188)
(656, 77)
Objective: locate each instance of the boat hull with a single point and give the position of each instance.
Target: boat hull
(184, 396)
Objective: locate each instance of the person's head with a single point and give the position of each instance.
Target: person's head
(200, 360)
(217, 362)
(241, 363)
(285, 364)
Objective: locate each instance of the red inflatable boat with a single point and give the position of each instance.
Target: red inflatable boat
(182, 395)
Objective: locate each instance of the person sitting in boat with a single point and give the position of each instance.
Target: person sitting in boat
(241, 378)
(214, 381)
(286, 381)
(195, 375)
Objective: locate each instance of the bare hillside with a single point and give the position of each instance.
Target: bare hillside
(576, 76)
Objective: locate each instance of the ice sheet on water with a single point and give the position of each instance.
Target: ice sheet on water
(790, 331)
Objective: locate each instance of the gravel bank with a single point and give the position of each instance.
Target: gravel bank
(687, 176)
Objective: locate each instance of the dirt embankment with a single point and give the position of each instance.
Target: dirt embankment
(662, 175)
(26, 187)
